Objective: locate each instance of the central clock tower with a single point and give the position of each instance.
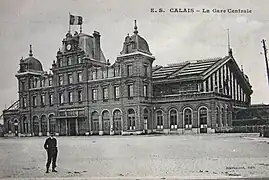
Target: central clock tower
(70, 43)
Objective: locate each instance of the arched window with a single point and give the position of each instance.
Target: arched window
(95, 122)
(203, 116)
(217, 117)
(159, 119)
(16, 128)
(36, 125)
(9, 125)
(173, 119)
(25, 124)
(187, 118)
(222, 116)
(117, 121)
(44, 125)
(227, 117)
(106, 122)
(52, 123)
(131, 119)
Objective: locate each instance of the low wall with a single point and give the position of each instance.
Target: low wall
(245, 129)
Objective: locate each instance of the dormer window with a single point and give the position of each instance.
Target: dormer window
(60, 63)
(22, 86)
(50, 81)
(35, 83)
(104, 73)
(94, 74)
(116, 71)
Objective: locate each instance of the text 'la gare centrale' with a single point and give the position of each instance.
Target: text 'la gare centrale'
(203, 10)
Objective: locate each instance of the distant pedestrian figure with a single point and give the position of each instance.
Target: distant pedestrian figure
(52, 151)
(261, 132)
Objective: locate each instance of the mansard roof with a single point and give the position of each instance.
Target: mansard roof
(87, 44)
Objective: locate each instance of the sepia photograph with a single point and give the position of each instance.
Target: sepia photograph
(138, 89)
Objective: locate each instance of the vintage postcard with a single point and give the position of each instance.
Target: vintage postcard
(134, 89)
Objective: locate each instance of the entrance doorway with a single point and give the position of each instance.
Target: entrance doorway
(16, 127)
(117, 122)
(72, 128)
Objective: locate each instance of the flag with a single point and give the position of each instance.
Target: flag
(75, 20)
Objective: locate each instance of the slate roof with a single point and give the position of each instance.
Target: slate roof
(87, 43)
(186, 69)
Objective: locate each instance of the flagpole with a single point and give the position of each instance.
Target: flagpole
(69, 23)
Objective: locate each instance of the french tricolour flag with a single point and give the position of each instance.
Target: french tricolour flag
(75, 20)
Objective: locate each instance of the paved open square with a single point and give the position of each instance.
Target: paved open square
(138, 157)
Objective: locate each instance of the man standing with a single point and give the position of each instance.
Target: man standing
(51, 148)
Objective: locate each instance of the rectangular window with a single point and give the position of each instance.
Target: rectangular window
(34, 101)
(70, 79)
(50, 81)
(94, 74)
(51, 99)
(116, 71)
(24, 102)
(61, 98)
(129, 70)
(41, 83)
(79, 60)
(130, 91)
(70, 97)
(35, 83)
(94, 94)
(22, 86)
(69, 61)
(79, 96)
(145, 91)
(116, 92)
(42, 98)
(145, 70)
(61, 80)
(105, 94)
(60, 63)
(104, 73)
(79, 75)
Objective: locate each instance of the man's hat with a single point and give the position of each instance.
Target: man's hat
(52, 133)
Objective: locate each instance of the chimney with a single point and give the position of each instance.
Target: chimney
(97, 46)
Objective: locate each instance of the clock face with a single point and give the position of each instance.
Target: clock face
(68, 47)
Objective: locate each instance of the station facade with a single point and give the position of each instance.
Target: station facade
(85, 94)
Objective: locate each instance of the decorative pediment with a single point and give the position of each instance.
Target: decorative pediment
(129, 81)
(79, 87)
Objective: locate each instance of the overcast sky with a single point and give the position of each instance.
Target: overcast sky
(172, 37)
